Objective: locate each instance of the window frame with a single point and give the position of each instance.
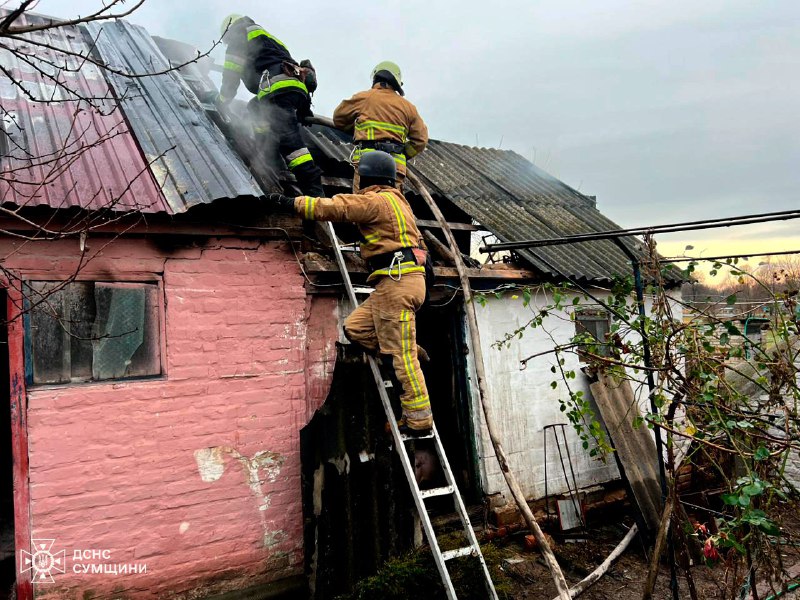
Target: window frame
(97, 277)
(597, 314)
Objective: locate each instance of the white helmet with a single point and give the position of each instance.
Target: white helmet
(390, 71)
(227, 22)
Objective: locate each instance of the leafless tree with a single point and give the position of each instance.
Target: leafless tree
(51, 67)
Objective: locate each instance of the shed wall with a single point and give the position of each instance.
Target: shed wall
(195, 474)
(524, 401)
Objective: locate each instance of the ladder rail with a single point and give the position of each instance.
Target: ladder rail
(462, 512)
(419, 500)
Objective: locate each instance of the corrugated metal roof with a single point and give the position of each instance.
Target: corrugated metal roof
(187, 160)
(189, 156)
(139, 144)
(514, 200)
(64, 153)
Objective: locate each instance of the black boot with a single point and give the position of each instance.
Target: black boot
(309, 179)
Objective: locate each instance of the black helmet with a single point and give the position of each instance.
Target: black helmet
(377, 165)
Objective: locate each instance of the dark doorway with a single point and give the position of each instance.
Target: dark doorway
(7, 546)
(441, 331)
(357, 504)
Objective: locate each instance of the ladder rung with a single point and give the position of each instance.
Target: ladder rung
(413, 438)
(442, 491)
(466, 551)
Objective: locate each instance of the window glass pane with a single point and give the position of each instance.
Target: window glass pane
(118, 330)
(596, 323)
(147, 358)
(80, 308)
(50, 347)
(94, 331)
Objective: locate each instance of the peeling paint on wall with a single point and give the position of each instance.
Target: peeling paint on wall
(211, 465)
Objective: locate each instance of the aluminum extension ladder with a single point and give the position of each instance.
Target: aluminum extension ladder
(400, 440)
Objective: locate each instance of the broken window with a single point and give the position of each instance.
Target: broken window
(92, 331)
(597, 324)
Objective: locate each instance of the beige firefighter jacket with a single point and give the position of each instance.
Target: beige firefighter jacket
(381, 114)
(384, 219)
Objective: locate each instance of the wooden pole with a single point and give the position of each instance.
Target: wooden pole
(472, 321)
(655, 559)
(585, 583)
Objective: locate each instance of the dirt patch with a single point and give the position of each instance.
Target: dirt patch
(521, 574)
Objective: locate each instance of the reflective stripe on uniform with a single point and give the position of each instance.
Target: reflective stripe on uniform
(255, 30)
(401, 269)
(372, 238)
(232, 66)
(369, 127)
(402, 226)
(400, 159)
(419, 400)
(309, 207)
(280, 85)
(298, 157)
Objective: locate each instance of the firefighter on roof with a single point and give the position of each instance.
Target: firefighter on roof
(382, 119)
(282, 87)
(393, 249)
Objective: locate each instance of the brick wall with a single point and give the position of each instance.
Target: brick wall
(197, 474)
(323, 332)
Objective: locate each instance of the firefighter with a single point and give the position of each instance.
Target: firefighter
(382, 119)
(282, 88)
(393, 249)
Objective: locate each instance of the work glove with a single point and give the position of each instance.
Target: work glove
(278, 203)
(303, 113)
(310, 75)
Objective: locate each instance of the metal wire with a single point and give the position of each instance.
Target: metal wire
(731, 256)
(670, 228)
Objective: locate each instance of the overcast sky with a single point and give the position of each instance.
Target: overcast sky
(665, 110)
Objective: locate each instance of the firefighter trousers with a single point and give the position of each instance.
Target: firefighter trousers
(280, 123)
(386, 324)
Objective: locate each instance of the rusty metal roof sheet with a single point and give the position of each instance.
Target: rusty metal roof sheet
(116, 143)
(514, 200)
(189, 156)
(60, 151)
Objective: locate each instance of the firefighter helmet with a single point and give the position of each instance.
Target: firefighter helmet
(389, 71)
(377, 164)
(227, 22)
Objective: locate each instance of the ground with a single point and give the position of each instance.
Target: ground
(521, 574)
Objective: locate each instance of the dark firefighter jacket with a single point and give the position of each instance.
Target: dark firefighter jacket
(251, 51)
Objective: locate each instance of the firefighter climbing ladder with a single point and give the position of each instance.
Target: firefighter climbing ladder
(400, 440)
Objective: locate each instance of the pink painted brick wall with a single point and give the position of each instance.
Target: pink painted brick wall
(323, 332)
(197, 474)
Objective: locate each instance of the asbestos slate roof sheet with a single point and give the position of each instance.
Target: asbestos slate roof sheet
(161, 153)
(514, 200)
